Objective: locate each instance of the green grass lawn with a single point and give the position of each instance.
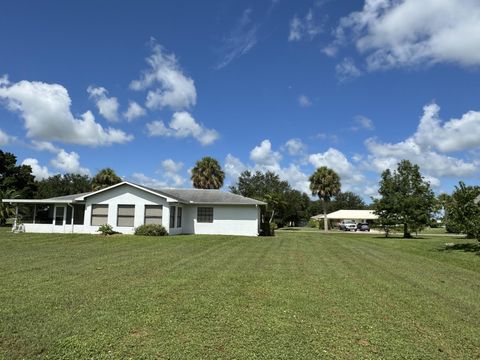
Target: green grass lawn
(298, 295)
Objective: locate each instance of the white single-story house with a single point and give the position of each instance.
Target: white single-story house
(358, 215)
(126, 206)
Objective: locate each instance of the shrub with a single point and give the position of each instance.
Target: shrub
(106, 229)
(151, 230)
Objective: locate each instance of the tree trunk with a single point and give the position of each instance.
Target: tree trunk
(325, 221)
(271, 217)
(406, 234)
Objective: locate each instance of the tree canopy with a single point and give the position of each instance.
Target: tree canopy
(284, 205)
(207, 174)
(15, 177)
(406, 199)
(462, 210)
(60, 185)
(105, 178)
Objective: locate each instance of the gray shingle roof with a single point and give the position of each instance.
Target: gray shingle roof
(196, 196)
(202, 196)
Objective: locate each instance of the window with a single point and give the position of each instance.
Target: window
(125, 215)
(153, 214)
(59, 212)
(78, 214)
(99, 214)
(179, 217)
(172, 216)
(205, 214)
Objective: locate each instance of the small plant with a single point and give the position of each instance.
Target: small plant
(151, 230)
(106, 229)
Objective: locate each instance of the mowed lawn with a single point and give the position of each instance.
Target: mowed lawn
(298, 295)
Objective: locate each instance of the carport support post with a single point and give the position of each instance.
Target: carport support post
(16, 217)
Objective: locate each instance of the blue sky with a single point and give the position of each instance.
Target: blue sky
(148, 89)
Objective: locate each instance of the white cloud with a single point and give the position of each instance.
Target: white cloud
(170, 171)
(171, 87)
(347, 70)
(240, 41)
(5, 139)
(233, 167)
(134, 111)
(265, 158)
(107, 106)
(147, 181)
(45, 146)
(453, 135)
(45, 109)
(304, 101)
(296, 178)
(40, 172)
(394, 33)
(363, 122)
(69, 162)
(183, 125)
(295, 147)
(387, 156)
(429, 145)
(304, 28)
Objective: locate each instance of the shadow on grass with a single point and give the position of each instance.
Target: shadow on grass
(466, 247)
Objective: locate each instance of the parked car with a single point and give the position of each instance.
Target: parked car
(347, 225)
(363, 227)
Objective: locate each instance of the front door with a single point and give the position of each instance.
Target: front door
(59, 217)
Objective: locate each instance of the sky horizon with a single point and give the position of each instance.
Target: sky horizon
(148, 89)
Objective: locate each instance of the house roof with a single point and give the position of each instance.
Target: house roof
(204, 196)
(349, 214)
(187, 196)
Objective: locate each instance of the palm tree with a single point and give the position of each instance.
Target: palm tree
(7, 211)
(105, 178)
(325, 183)
(207, 174)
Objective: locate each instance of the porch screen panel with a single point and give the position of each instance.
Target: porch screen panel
(153, 214)
(59, 212)
(44, 214)
(79, 214)
(126, 215)
(99, 214)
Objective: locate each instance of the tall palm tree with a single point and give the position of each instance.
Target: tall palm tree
(105, 178)
(325, 183)
(207, 174)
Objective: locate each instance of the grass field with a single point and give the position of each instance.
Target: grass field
(298, 295)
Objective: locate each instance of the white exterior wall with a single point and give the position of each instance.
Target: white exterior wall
(229, 220)
(124, 195)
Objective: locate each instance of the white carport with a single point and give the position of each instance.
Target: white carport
(362, 215)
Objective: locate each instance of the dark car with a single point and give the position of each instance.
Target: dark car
(363, 227)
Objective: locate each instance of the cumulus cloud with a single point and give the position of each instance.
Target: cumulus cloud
(392, 33)
(264, 157)
(336, 160)
(107, 106)
(453, 135)
(306, 27)
(40, 172)
(295, 147)
(45, 109)
(69, 162)
(430, 144)
(134, 111)
(183, 125)
(242, 38)
(170, 172)
(233, 167)
(168, 85)
(304, 101)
